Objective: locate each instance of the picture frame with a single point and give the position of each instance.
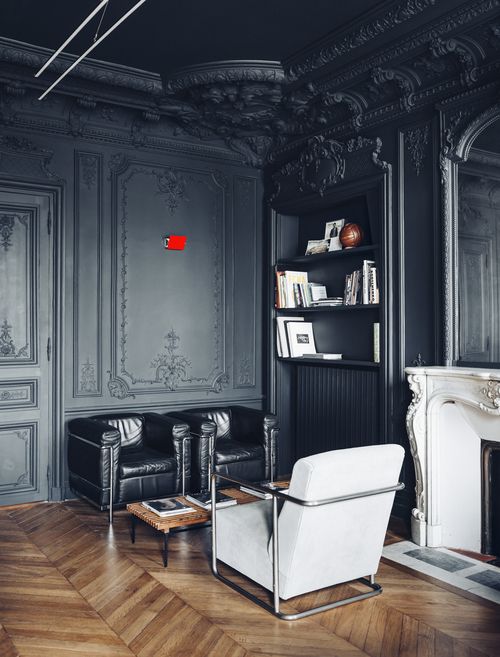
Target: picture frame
(332, 232)
(300, 339)
(317, 246)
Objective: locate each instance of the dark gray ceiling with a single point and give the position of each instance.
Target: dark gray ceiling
(164, 35)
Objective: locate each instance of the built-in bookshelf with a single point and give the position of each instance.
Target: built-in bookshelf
(306, 391)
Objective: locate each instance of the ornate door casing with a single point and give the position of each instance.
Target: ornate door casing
(25, 344)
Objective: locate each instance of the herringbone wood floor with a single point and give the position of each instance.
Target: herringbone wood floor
(72, 587)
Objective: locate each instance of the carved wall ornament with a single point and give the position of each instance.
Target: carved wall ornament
(87, 378)
(7, 347)
(418, 361)
(86, 102)
(118, 387)
(89, 164)
(6, 230)
(492, 392)
(245, 372)
(172, 186)
(25, 147)
(118, 162)
(170, 367)
(416, 141)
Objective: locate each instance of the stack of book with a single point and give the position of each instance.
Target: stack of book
(362, 287)
(295, 339)
(328, 301)
(204, 500)
(167, 507)
(293, 290)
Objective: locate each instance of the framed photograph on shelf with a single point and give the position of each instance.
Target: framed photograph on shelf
(300, 338)
(317, 246)
(332, 233)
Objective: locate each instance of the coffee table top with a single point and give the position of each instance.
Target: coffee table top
(198, 517)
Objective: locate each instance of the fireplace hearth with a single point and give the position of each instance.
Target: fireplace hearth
(490, 505)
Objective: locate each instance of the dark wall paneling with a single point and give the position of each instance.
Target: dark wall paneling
(246, 281)
(87, 270)
(418, 212)
(328, 406)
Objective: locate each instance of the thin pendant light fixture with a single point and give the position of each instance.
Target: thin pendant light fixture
(94, 44)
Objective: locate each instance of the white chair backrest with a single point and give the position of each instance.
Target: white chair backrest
(321, 546)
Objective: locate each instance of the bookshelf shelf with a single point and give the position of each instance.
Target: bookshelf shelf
(341, 362)
(324, 258)
(326, 309)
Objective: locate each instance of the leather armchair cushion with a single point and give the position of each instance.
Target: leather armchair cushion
(234, 451)
(222, 418)
(140, 463)
(130, 426)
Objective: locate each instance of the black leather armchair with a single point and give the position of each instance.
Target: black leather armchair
(243, 440)
(137, 456)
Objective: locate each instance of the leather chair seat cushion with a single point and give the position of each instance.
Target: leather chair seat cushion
(234, 451)
(140, 463)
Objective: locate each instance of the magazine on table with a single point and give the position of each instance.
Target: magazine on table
(264, 484)
(167, 507)
(205, 499)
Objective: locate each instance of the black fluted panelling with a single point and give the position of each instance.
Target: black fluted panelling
(336, 408)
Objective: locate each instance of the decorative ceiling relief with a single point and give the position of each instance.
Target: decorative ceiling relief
(257, 109)
(323, 163)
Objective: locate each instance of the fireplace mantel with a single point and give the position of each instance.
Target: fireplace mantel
(445, 446)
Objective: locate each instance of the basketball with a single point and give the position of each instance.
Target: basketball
(351, 235)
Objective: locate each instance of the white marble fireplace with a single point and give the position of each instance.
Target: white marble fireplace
(452, 410)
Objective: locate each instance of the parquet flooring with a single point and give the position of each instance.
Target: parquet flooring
(72, 586)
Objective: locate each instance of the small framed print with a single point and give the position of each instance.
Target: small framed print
(317, 246)
(300, 338)
(332, 232)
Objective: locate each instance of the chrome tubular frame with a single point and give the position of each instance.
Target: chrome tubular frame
(376, 589)
(111, 478)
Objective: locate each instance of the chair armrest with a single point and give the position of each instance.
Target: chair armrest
(168, 435)
(298, 500)
(94, 431)
(203, 433)
(162, 432)
(89, 445)
(254, 426)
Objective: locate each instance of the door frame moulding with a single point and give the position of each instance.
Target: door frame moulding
(55, 194)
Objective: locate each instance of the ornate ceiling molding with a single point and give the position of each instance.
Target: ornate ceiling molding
(257, 109)
(364, 31)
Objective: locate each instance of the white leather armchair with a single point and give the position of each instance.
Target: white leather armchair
(330, 530)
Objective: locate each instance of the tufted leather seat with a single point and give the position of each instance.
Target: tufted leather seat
(244, 441)
(145, 455)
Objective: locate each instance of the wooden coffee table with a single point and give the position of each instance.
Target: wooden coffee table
(167, 524)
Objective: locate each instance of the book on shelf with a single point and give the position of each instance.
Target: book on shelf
(282, 336)
(361, 286)
(264, 484)
(204, 499)
(300, 338)
(293, 290)
(328, 301)
(167, 507)
(376, 342)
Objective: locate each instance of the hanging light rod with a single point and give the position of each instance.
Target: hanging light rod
(94, 45)
(72, 36)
